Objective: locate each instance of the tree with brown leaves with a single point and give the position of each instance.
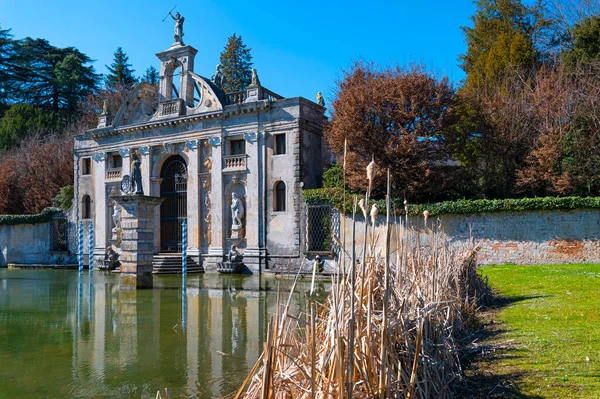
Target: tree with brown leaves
(395, 115)
(31, 175)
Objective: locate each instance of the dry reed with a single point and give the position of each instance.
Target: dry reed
(366, 341)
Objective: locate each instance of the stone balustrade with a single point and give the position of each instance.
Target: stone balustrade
(234, 162)
(171, 107)
(113, 174)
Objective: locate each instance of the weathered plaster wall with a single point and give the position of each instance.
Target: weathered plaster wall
(28, 244)
(539, 237)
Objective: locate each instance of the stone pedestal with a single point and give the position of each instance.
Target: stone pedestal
(137, 240)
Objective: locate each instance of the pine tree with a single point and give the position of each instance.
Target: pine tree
(236, 61)
(6, 62)
(150, 76)
(54, 79)
(120, 72)
(503, 36)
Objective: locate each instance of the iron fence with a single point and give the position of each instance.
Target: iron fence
(322, 224)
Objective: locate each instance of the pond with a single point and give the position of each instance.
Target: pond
(63, 334)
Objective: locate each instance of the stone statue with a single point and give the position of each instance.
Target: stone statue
(255, 80)
(105, 107)
(178, 36)
(237, 211)
(218, 78)
(320, 99)
(206, 185)
(116, 217)
(136, 175)
(208, 163)
(208, 235)
(234, 256)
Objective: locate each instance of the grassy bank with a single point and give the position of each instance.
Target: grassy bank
(549, 331)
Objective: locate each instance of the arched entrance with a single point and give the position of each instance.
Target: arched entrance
(173, 210)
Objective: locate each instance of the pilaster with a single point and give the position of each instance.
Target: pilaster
(215, 251)
(193, 198)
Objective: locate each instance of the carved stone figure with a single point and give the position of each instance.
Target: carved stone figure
(237, 211)
(208, 234)
(116, 217)
(218, 78)
(136, 176)
(178, 30)
(208, 163)
(234, 256)
(255, 80)
(320, 99)
(206, 185)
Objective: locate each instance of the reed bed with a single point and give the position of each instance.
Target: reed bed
(388, 328)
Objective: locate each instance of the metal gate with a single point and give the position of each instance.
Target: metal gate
(322, 224)
(173, 210)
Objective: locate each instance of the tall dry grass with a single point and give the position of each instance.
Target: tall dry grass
(388, 328)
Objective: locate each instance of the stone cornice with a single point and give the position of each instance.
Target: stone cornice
(231, 110)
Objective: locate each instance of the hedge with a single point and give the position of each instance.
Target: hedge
(334, 196)
(45, 216)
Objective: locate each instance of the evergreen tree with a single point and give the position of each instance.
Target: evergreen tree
(51, 78)
(151, 76)
(503, 35)
(6, 63)
(236, 61)
(585, 41)
(120, 72)
(23, 120)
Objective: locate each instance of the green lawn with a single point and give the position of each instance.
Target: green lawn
(550, 328)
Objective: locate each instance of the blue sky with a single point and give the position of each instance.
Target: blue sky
(299, 47)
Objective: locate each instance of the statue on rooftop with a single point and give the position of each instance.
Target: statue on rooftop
(178, 36)
(218, 78)
(255, 80)
(320, 99)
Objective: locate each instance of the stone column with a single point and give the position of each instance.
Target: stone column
(137, 240)
(146, 169)
(99, 205)
(253, 195)
(193, 199)
(126, 169)
(215, 251)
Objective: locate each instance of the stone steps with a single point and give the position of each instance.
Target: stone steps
(171, 264)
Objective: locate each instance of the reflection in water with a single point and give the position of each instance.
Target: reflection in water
(198, 336)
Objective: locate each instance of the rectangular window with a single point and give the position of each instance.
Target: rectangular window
(86, 166)
(279, 144)
(115, 162)
(237, 147)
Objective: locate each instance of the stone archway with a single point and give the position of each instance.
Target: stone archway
(173, 210)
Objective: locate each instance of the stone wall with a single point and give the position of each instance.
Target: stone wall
(538, 237)
(29, 244)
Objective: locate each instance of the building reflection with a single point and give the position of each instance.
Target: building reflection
(200, 342)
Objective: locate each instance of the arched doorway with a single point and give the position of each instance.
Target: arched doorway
(173, 210)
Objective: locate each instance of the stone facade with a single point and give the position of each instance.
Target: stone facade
(198, 146)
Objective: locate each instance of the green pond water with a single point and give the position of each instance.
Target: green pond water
(66, 335)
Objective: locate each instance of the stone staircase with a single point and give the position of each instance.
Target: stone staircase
(170, 263)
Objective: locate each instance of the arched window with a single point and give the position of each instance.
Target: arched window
(279, 196)
(86, 207)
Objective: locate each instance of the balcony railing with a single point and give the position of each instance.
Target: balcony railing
(171, 107)
(114, 174)
(236, 98)
(234, 162)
